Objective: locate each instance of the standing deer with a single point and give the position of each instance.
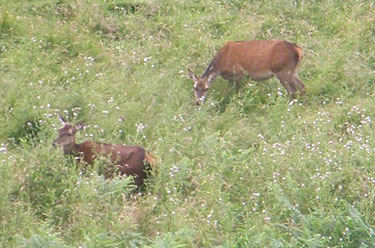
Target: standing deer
(130, 160)
(259, 60)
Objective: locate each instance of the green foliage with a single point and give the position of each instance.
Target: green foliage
(253, 169)
(41, 238)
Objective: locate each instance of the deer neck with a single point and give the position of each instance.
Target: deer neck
(70, 148)
(212, 69)
(209, 71)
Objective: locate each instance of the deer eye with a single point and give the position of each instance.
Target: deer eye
(195, 88)
(205, 89)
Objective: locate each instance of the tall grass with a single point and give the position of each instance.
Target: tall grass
(247, 170)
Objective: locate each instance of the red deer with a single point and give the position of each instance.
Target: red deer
(259, 60)
(130, 160)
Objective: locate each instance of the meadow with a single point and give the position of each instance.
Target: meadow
(249, 170)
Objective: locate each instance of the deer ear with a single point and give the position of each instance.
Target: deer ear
(80, 125)
(62, 120)
(211, 77)
(192, 75)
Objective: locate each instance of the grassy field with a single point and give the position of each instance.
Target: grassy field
(251, 170)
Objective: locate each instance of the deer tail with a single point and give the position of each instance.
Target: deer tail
(151, 160)
(299, 52)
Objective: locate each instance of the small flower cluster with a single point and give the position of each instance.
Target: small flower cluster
(173, 170)
(140, 127)
(3, 148)
(146, 59)
(89, 60)
(179, 117)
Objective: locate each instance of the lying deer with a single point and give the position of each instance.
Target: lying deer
(130, 160)
(259, 60)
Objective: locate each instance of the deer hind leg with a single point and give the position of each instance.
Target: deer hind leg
(300, 86)
(237, 84)
(138, 181)
(287, 82)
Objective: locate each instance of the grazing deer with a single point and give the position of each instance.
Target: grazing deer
(130, 160)
(259, 60)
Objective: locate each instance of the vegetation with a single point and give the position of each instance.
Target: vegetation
(247, 170)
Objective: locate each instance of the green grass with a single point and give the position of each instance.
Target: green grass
(248, 170)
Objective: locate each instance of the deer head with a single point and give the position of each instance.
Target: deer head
(201, 86)
(66, 135)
